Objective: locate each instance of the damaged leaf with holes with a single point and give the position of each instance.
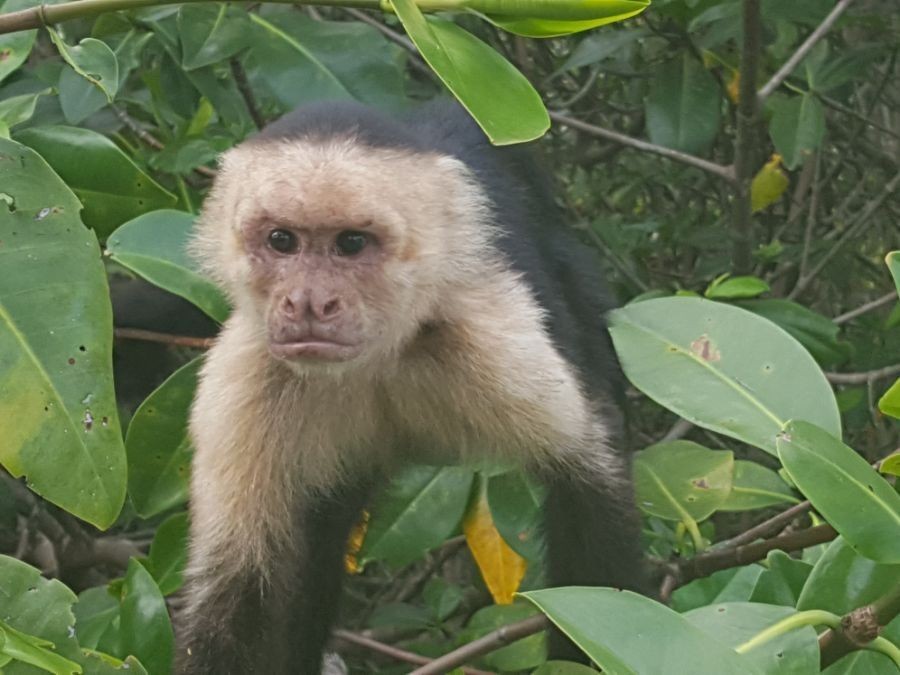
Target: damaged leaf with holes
(110, 186)
(57, 404)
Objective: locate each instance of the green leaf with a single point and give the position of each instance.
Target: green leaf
(362, 60)
(211, 33)
(683, 107)
(515, 504)
(602, 45)
(628, 634)
(145, 628)
(797, 127)
(168, 553)
(18, 109)
(154, 246)
(499, 97)
(554, 17)
(112, 188)
(682, 480)
(58, 416)
(732, 585)
(282, 59)
(733, 623)
(841, 485)
(34, 651)
(722, 368)
(15, 47)
(564, 668)
(843, 580)
(420, 509)
(755, 487)
(158, 447)
(96, 618)
(817, 333)
(93, 60)
(39, 607)
(889, 404)
(891, 463)
(782, 581)
(892, 260)
(732, 288)
(521, 655)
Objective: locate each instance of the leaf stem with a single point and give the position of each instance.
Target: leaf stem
(811, 617)
(691, 526)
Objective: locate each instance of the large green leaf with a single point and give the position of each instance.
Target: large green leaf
(145, 629)
(364, 63)
(782, 581)
(552, 18)
(733, 623)
(168, 553)
(419, 510)
(38, 607)
(817, 333)
(93, 60)
(755, 487)
(682, 480)
(293, 73)
(15, 47)
(158, 447)
(58, 418)
(498, 96)
(18, 109)
(841, 485)
(211, 32)
(515, 504)
(112, 188)
(154, 246)
(684, 105)
(32, 650)
(843, 580)
(797, 127)
(722, 368)
(628, 634)
(732, 585)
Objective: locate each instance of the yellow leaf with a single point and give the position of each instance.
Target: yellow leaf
(734, 86)
(355, 542)
(768, 185)
(501, 568)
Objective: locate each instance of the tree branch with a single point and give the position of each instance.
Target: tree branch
(723, 172)
(866, 308)
(164, 338)
(391, 651)
(863, 378)
(856, 626)
(484, 645)
(745, 145)
(804, 49)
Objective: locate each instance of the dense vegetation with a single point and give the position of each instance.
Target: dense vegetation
(735, 162)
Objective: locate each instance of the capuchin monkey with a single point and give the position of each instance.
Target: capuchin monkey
(403, 292)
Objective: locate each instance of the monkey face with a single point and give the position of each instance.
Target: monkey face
(341, 252)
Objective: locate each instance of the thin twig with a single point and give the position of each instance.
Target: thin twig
(243, 85)
(391, 651)
(484, 645)
(812, 214)
(397, 37)
(678, 430)
(164, 338)
(885, 299)
(863, 378)
(803, 50)
(745, 143)
(774, 524)
(724, 172)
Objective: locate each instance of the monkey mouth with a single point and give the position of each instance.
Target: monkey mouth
(313, 349)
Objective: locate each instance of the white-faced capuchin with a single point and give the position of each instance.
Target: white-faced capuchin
(403, 292)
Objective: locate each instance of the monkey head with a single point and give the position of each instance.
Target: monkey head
(339, 251)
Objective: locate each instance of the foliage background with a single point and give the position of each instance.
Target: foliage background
(128, 112)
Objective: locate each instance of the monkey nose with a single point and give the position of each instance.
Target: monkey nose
(326, 310)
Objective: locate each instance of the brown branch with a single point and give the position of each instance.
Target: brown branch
(863, 378)
(706, 564)
(164, 338)
(859, 627)
(243, 85)
(864, 309)
(391, 651)
(723, 172)
(804, 49)
(745, 144)
(484, 645)
(768, 527)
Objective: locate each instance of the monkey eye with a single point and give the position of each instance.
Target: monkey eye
(351, 242)
(283, 241)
